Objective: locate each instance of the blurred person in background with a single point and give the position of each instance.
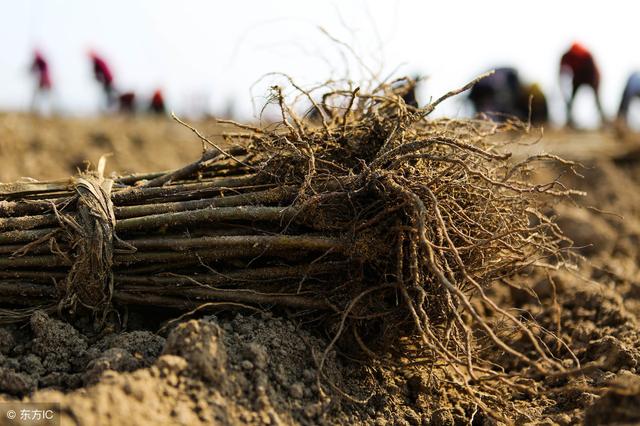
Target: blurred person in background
(578, 66)
(532, 104)
(497, 94)
(104, 77)
(127, 103)
(631, 92)
(156, 106)
(502, 95)
(42, 91)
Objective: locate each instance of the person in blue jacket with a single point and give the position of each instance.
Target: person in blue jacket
(631, 92)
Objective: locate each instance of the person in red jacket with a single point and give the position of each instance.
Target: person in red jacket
(156, 106)
(578, 64)
(127, 103)
(40, 68)
(103, 75)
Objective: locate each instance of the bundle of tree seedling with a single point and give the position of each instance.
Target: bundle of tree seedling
(373, 219)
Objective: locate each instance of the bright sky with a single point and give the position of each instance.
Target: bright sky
(209, 52)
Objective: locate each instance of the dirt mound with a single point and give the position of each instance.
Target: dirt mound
(240, 370)
(254, 370)
(620, 405)
(54, 354)
(601, 333)
(261, 365)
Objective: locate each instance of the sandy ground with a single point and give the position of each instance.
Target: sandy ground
(50, 148)
(236, 368)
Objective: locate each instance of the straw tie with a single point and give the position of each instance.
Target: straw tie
(91, 234)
